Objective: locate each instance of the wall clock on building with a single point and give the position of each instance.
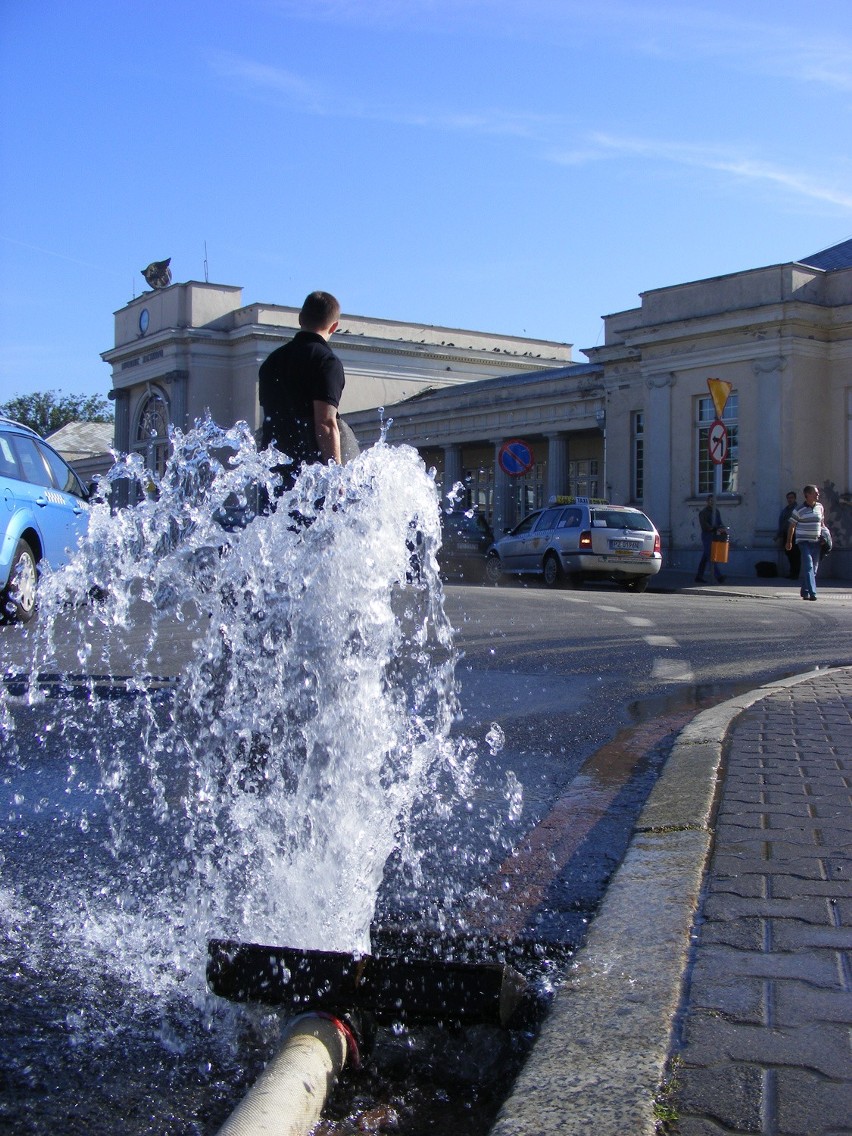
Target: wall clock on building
(144, 320)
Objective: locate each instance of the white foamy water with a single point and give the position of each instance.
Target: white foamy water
(258, 793)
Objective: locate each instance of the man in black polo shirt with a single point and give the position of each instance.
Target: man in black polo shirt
(300, 385)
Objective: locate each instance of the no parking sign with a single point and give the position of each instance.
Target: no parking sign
(516, 457)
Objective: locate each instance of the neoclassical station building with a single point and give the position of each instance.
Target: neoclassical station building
(515, 420)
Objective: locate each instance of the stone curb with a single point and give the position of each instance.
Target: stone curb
(599, 1060)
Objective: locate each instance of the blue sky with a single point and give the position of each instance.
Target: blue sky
(519, 167)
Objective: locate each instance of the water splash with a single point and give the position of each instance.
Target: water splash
(256, 788)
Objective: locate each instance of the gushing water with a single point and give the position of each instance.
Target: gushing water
(256, 788)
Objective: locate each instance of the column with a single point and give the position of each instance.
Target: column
(121, 442)
(453, 471)
(557, 465)
(178, 381)
(502, 495)
(121, 434)
(658, 454)
(767, 433)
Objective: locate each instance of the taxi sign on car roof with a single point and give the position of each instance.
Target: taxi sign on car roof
(578, 501)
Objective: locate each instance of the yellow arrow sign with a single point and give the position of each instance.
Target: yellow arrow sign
(719, 391)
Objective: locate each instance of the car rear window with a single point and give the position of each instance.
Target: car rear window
(621, 519)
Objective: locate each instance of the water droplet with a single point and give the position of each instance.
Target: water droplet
(495, 738)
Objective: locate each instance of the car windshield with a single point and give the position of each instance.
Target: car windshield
(621, 519)
(526, 524)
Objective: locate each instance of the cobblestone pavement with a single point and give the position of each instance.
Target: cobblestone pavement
(766, 1036)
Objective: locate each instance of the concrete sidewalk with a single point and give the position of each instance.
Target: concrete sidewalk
(724, 941)
(774, 587)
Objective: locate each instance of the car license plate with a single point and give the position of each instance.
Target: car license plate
(625, 546)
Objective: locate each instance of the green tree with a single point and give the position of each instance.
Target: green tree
(47, 411)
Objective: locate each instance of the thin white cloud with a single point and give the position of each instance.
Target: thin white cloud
(268, 81)
(489, 122)
(779, 47)
(791, 44)
(262, 79)
(103, 269)
(707, 158)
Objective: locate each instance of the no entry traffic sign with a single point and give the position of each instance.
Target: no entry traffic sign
(717, 442)
(516, 457)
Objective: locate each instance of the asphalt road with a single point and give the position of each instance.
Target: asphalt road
(589, 688)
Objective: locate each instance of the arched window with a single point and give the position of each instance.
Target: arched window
(152, 433)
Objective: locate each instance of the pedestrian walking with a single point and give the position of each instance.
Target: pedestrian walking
(794, 557)
(710, 521)
(805, 527)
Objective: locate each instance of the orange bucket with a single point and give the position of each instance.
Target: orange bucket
(719, 548)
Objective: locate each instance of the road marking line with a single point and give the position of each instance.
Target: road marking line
(672, 670)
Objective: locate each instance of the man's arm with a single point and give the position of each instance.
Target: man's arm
(327, 431)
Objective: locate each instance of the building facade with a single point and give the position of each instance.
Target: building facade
(189, 349)
(473, 436)
(513, 421)
(638, 424)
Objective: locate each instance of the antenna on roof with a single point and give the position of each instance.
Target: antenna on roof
(206, 280)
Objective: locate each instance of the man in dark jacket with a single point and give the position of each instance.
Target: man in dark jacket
(300, 385)
(710, 521)
(794, 556)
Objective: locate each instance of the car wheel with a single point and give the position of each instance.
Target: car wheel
(637, 584)
(19, 596)
(493, 569)
(552, 570)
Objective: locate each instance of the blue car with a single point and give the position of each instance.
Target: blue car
(46, 511)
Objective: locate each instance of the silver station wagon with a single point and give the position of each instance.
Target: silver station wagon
(576, 539)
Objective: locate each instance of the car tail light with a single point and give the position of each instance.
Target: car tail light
(657, 545)
(585, 539)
